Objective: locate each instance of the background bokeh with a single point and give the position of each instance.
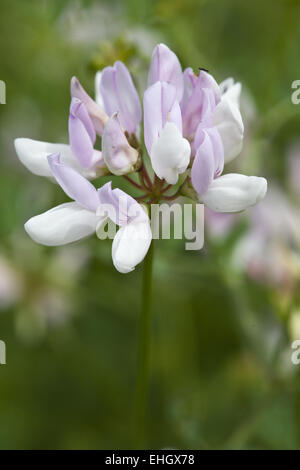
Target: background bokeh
(224, 318)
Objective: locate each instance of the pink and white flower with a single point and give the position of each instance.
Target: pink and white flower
(81, 218)
(192, 128)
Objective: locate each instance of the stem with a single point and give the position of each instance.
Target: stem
(174, 196)
(144, 352)
(143, 182)
(166, 188)
(146, 176)
(141, 198)
(136, 185)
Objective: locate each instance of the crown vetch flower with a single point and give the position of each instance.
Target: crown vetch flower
(119, 95)
(96, 112)
(82, 133)
(169, 151)
(91, 208)
(192, 128)
(213, 121)
(165, 67)
(119, 156)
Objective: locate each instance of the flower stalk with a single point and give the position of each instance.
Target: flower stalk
(143, 375)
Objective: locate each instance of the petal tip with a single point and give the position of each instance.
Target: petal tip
(263, 189)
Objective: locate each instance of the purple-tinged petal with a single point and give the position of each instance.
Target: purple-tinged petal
(191, 114)
(199, 136)
(121, 208)
(78, 109)
(208, 106)
(108, 204)
(202, 173)
(175, 116)
(192, 110)
(160, 107)
(119, 95)
(189, 83)
(118, 155)
(198, 109)
(217, 146)
(168, 100)
(74, 184)
(201, 95)
(152, 114)
(97, 115)
(80, 142)
(165, 67)
(218, 150)
(108, 90)
(130, 106)
(207, 81)
(81, 133)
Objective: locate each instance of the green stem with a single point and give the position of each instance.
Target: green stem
(144, 353)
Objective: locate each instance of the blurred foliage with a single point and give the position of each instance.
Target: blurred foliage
(108, 52)
(221, 370)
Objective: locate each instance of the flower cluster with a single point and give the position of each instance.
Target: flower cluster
(191, 126)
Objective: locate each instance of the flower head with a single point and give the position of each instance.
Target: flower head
(192, 128)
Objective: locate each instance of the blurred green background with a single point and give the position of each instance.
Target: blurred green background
(222, 329)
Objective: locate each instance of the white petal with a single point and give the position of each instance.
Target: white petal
(228, 121)
(231, 90)
(233, 94)
(33, 154)
(131, 245)
(170, 175)
(234, 192)
(63, 224)
(118, 155)
(170, 154)
(226, 84)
